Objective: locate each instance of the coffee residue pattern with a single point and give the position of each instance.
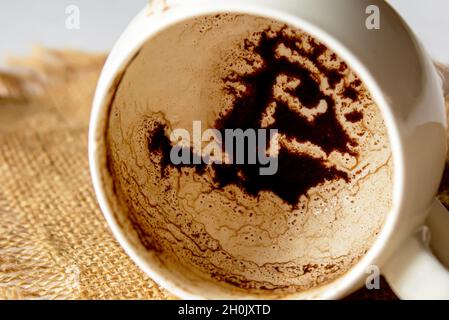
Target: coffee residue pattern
(300, 228)
(298, 172)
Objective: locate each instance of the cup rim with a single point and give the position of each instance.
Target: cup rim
(191, 9)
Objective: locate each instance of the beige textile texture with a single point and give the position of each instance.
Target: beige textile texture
(54, 241)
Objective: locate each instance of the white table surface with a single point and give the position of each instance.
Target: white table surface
(27, 22)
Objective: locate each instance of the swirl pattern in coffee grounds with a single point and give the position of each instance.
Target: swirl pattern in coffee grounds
(298, 172)
(300, 228)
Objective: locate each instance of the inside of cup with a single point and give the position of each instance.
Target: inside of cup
(296, 218)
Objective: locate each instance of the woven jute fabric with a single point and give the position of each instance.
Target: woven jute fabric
(54, 241)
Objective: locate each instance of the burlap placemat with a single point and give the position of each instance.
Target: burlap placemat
(54, 241)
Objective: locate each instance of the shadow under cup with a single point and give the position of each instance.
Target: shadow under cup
(216, 228)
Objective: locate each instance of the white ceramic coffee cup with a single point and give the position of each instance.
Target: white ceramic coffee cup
(406, 87)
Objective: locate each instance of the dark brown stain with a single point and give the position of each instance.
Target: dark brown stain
(297, 172)
(354, 116)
